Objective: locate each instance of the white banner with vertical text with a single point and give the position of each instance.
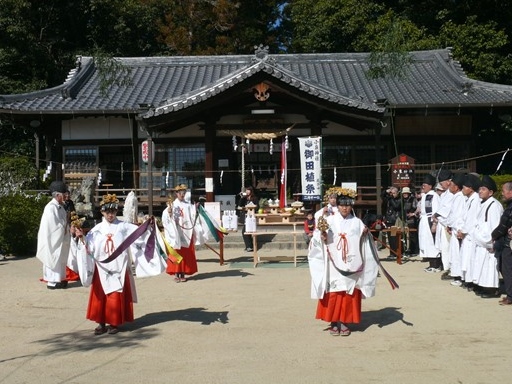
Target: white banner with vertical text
(311, 168)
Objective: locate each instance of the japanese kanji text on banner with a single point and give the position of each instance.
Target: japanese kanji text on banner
(311, 168)
(402, 171)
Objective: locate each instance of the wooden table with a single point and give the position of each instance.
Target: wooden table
(263, 232)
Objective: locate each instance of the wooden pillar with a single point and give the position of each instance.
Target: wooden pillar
(378, 170)
(150, 175)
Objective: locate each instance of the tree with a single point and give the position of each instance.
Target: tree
(329, 25)
(38, 40)
(219, 27)
(479, 48)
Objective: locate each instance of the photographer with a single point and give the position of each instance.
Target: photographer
(393, 210)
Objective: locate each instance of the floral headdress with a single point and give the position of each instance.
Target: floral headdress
(109, 201)
(180, 187)
(339, 191)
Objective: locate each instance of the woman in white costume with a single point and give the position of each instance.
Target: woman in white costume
(113, 287)
(342, 267)
(183, 231)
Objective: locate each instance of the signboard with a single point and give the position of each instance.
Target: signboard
(402, 171)
(311, 168)
(227, 202)
(213, 208)
(144, 150)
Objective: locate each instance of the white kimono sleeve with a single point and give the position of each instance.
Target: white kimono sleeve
(156, 265)
(85, 263)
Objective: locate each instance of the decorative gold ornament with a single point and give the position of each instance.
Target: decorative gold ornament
(261, 92)
(322, 224)
(109, 199)
(76, 220)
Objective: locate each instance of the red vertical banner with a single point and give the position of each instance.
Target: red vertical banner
(284, 169)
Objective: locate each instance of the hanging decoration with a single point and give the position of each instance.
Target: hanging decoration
(501, 162)
(243, 166)
(220, 178)
(271, 149)
(334, 182)
(99, 177)
(245, 142)
(48, 171)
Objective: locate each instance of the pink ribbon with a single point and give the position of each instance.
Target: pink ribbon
(343, 246)
(109, 245)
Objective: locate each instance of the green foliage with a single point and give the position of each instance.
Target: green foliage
(111, 72)
(479, 47)
(391, 56)
(329, 25)
(16, 175)
(15, 140)
(19, 223)
(500, 180)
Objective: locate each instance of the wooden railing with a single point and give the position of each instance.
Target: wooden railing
(367, 200)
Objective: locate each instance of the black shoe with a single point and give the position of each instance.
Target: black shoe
(490, 294)
(57, 286)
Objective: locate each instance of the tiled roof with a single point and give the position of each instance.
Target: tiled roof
(174, 83)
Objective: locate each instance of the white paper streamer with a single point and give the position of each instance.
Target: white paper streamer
(501, 162)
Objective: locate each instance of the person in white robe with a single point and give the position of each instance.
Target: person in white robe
(342, 267)
(427, 227)
(112, 285)
(441, 218)
(454, 224)
(330, 208)
(183, 231)
(470, 188)
(485, 274)
(53, 238)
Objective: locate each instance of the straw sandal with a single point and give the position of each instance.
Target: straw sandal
(100, 330)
